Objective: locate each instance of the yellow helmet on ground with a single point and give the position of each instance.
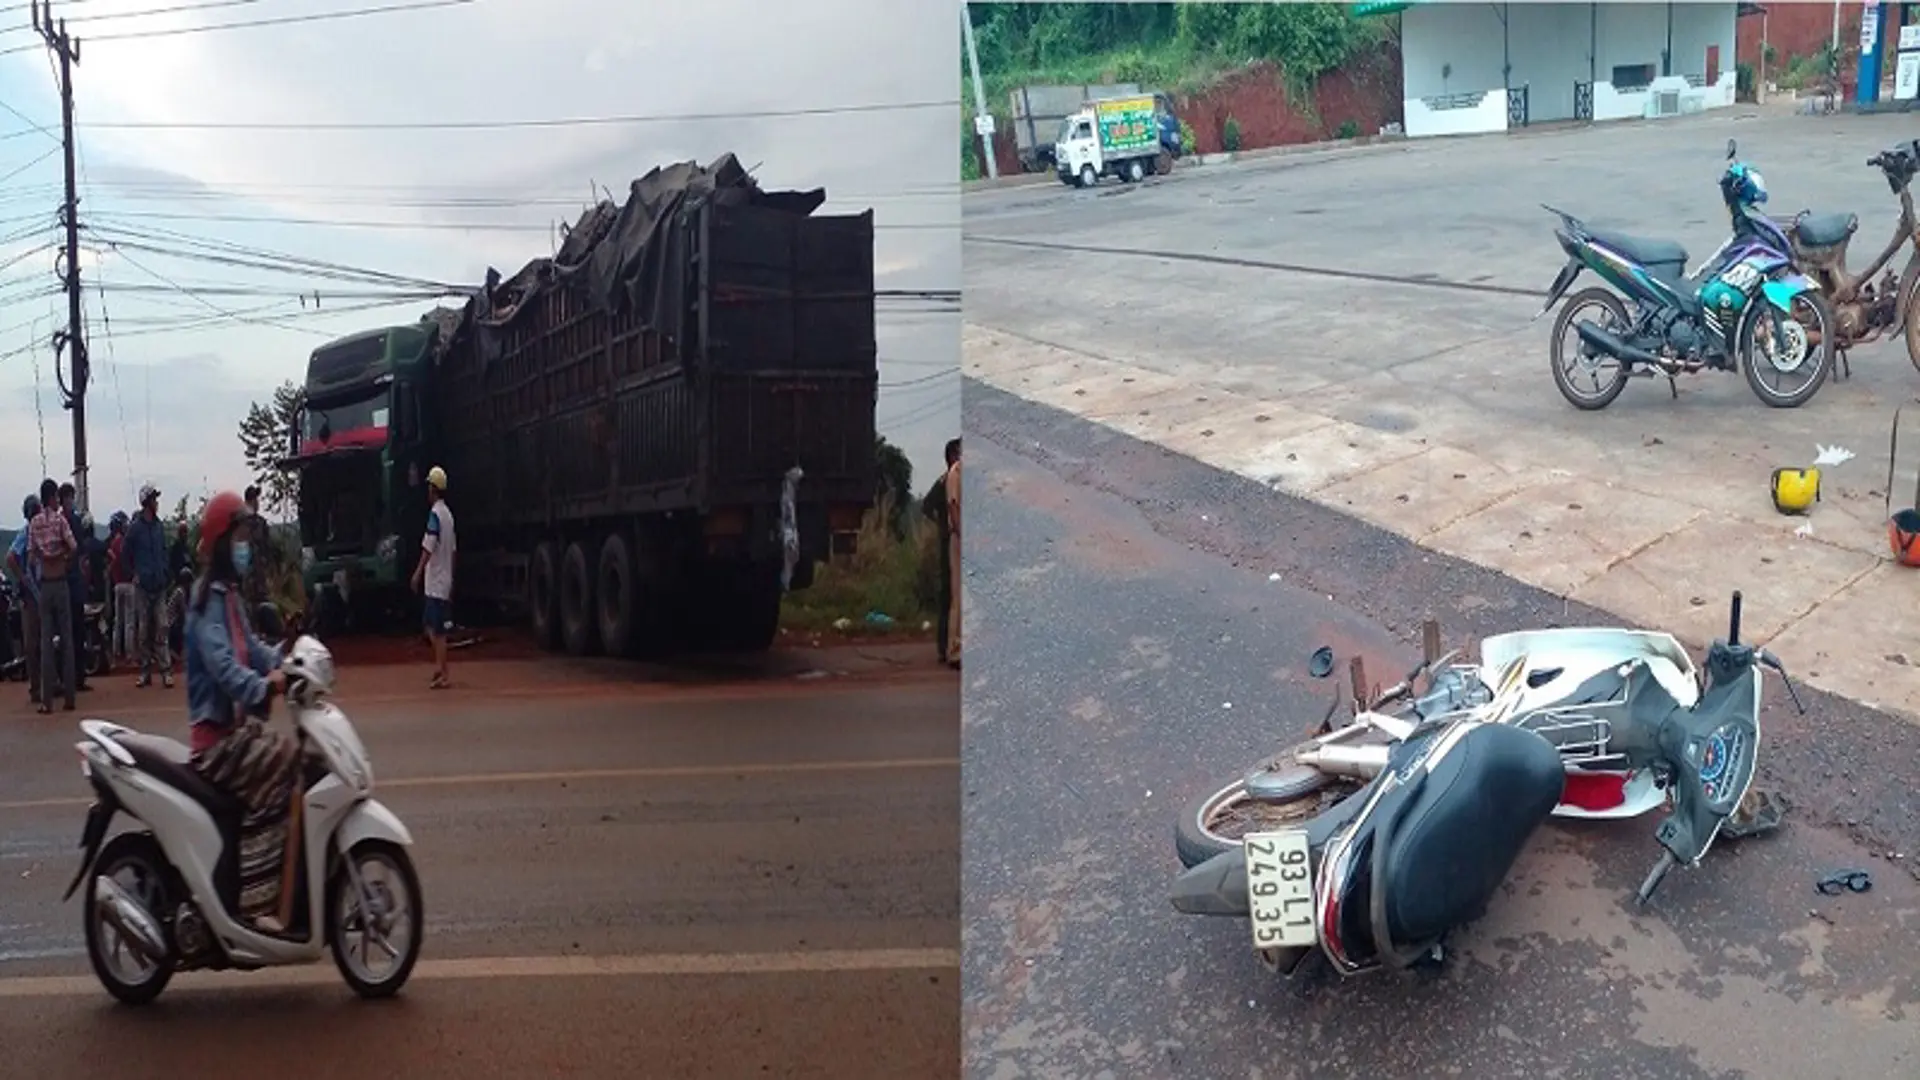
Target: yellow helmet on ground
(437, 478)
(1795, 490)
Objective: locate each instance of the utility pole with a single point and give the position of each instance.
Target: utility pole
(982, 119)
(73, 340)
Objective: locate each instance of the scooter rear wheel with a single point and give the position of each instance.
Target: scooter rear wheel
(389, 874)
(1605, 390)
(135, 862)
(1217, 821)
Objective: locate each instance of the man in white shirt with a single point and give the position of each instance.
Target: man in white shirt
(434, 575)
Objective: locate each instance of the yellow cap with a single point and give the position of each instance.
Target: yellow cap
(437, 478)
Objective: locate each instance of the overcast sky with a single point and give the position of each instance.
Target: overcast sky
(169, 389)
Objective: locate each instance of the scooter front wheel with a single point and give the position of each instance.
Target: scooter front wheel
(375, 926)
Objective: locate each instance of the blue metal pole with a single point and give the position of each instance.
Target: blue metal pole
(1873, 24)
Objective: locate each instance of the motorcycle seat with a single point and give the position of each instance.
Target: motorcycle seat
(171, 762)
(1640, 249)
(1825, 230)
(1451, 845)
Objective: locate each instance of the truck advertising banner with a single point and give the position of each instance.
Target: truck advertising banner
(1126, 125)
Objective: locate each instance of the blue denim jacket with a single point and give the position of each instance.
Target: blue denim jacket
(221, 671)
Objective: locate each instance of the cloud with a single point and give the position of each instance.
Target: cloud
(490, 60)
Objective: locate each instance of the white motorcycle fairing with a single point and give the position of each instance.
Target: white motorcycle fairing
(1571, 656)
(338, 814)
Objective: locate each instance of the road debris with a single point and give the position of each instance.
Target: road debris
(1833, 884)
(1832, 455)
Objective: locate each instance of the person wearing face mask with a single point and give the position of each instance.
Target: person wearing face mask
(232, 676)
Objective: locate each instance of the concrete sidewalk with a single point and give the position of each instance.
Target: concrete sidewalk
(1629, 540)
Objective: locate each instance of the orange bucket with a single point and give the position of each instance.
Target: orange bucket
(1903, 526)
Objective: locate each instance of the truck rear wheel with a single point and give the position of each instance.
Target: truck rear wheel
(1136, 172)
(617, 594)
(543, 581)
(577, 621)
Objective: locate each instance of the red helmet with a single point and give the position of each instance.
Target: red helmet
(224, 512)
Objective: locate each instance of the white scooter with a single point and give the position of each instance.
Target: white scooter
(163, 899)
(1550, 685)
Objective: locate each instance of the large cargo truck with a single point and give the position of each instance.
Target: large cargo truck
(649, 437)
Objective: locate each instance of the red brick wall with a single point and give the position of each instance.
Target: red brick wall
(1797, 29)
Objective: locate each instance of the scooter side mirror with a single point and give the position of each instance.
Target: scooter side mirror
(267, 622)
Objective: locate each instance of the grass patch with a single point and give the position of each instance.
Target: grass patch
(895, 576)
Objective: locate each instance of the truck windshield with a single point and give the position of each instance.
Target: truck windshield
(340, 506)
(1066, 130)
(337, 416)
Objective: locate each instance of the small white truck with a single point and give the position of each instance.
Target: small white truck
(1110, 137)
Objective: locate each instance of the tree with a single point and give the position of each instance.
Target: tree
(893, 485)
(265, 436)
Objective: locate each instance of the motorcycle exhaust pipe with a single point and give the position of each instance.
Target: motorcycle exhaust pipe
(136, 924)
(1364, 762)
(1616, 348)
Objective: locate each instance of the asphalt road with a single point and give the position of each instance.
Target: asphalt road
(1129, 648)
(751, 874)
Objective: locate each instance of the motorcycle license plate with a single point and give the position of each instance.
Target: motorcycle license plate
(1280, 889)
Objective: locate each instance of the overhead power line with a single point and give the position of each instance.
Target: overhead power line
(497, 125)
(283, 20)
(121, 16)
(458, 226)
(4, 177)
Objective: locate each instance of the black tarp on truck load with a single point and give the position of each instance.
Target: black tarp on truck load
(680, 351)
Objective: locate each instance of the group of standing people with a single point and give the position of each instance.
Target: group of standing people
(942, 507)
(59, 565)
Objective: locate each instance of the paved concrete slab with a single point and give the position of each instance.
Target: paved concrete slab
(1420, 495)
(1385, 330)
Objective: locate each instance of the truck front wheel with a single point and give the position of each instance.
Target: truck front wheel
(543, 583)
(1088, 177)
(578, 624)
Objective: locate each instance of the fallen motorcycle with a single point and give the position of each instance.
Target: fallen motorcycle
(1670, 323)
(1555, 666)
(164, 898)
(1383, 876)
(1865, 310)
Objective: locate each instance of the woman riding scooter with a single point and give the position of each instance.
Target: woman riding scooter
(231, 677)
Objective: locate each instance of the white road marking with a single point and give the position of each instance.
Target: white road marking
(667, 965)
(662, 772)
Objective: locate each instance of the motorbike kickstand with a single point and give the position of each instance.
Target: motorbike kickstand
(1673, 387)
(1845, 366)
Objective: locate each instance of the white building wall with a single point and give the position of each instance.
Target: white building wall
(1630, 35)
(1696, 27)
(1437, 37)
(1548, 48)
(1450, 62)
(1452, 58)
